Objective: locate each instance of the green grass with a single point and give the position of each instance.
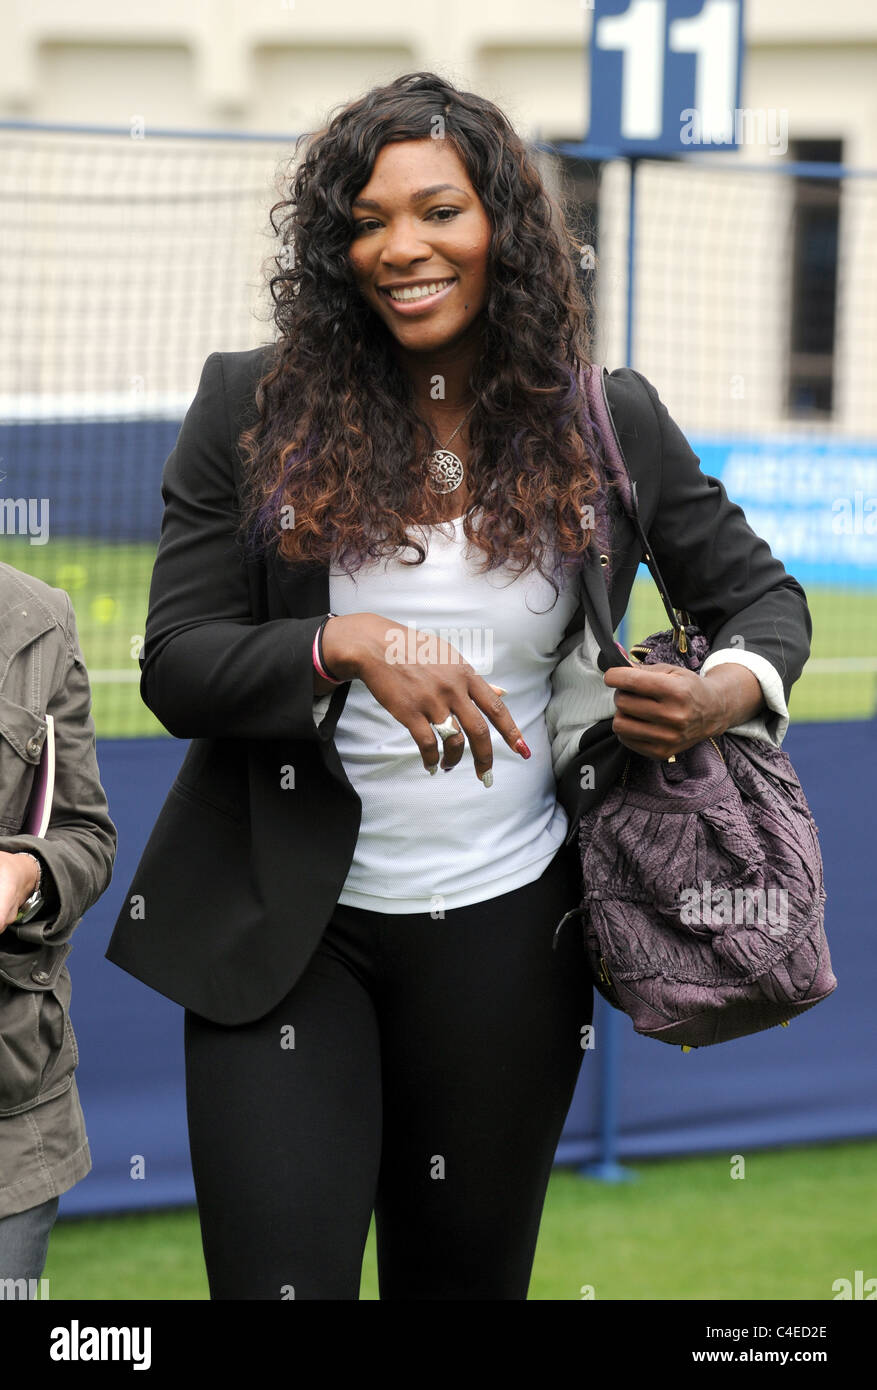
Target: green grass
(684, 1229)
(109, 588)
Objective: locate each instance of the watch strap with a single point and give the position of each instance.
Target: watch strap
(32, 904)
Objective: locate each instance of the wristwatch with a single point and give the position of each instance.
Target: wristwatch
(31, 906)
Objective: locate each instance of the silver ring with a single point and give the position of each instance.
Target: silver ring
(446, 728)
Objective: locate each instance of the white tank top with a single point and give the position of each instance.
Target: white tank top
(431, 843)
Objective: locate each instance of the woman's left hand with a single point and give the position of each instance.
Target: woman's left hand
(661, 709)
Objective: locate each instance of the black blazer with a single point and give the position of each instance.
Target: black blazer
(239, 876)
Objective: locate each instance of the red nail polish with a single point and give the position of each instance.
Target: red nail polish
(521, 747)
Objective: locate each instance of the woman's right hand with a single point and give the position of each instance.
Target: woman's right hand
(421, 692)
(19, 876)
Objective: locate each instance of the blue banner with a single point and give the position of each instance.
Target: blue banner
(814, 501)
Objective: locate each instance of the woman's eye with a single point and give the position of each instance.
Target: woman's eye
(438, 214)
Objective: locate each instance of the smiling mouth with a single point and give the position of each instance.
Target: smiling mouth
(416, 294)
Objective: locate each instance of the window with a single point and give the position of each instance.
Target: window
(815, 221)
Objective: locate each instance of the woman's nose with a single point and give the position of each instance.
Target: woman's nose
(404, 243)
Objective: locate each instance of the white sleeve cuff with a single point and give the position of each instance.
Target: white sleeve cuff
(321, 707)
(767, 727)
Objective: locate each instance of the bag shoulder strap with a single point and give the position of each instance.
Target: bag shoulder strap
(594, 380)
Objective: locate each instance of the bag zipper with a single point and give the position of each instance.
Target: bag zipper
(719, 751)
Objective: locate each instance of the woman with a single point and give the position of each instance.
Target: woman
(375, 1019)
(46, 884)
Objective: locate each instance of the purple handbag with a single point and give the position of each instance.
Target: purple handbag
(704, 902)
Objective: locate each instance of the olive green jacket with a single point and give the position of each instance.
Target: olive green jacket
(43, 1145)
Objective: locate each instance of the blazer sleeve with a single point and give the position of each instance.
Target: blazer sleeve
(206, 669)
(717, 568)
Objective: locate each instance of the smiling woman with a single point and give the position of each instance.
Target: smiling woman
(423, 257)
(431, 293)
(375, 1017)
(422, 263)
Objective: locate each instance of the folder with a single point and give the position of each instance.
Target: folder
(39, 804)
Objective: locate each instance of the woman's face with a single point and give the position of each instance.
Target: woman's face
(419, 225)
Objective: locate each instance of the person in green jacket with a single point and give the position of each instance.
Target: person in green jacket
(47, 883)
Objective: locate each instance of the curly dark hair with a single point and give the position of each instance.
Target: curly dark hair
(336, 410)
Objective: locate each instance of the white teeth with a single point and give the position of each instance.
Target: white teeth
(419, 291)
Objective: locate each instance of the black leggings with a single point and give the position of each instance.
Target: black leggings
(420, 1068)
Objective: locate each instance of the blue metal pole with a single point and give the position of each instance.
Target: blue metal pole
(630, 306)
(631, 262)
(606, 1036)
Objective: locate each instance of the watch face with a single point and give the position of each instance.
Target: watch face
(30, 906)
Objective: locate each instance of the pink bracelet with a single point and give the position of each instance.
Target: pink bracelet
(318, 665)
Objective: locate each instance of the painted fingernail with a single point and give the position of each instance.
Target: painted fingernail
(500, 690)
(487, 778)
(521, 747)
(432, 769)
